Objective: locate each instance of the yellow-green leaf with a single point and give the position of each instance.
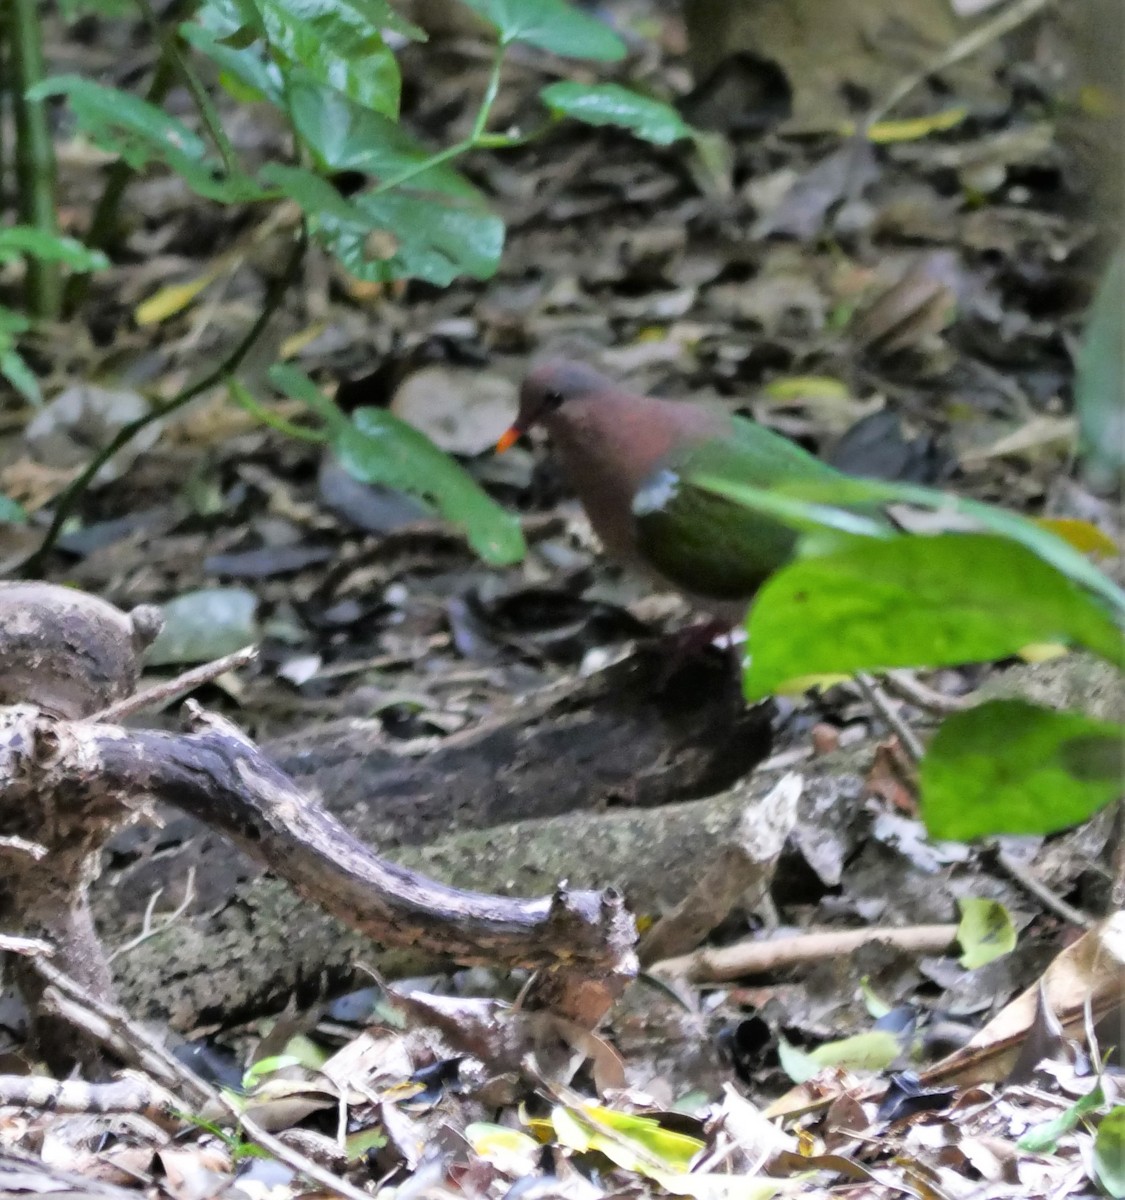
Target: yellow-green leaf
(985, 932)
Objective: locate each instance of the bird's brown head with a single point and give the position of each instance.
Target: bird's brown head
(546, 391)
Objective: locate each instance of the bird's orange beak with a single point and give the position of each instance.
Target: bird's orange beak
(508, 438)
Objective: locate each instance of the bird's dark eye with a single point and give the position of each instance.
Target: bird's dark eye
(553, 399)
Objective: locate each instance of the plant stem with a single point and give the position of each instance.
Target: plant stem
(245, 400)
(475, 139)
(170, 46)
(490, 93)
(35, 154)
(278, 287)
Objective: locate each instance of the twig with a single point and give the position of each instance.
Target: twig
(127, 1039)
(148, 930)
(760, 958)
(170, 689)
(875, 695)
(14, 844)
(32, 565)
(11, 943)
(908, 687)
(1003, 23)
(1056, 904)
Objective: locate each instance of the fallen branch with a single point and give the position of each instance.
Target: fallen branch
(581, 940)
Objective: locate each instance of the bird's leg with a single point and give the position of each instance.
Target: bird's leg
(689, 643)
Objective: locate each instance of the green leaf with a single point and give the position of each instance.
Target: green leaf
(1109, 1152)
(551, 25)
(316, 196)
(245, 72)
(338, 46)
(1012, 767)
(142, 133)
(18, 240)
(1044, 1138)
(435, 238)
(296, 383)
(871, 1051)
(347, 137)
(379, 448)
(376, 447)
(11, 513)
(912, 601)
(265, 1067)
(20, 376)
(1099, 384)
(611, 104)
(985, 932)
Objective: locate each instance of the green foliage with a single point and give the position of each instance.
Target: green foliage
(18, 240)
(142, 134)
(611, 104)
(985, 933)
(912, 601)
(330, 69)
(1012, 767)
(1044, 1138)
(820, 507)
(376, 447)
(265, 1067)
(24, 241)
(858, 599)
(874, 1050)
(550, 25)
(1109, 1153)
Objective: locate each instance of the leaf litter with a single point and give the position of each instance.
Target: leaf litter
(935, 281)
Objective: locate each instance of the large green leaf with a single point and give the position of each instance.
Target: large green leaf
(18, 240)
(142, 133)
(551, 25)
(1012, 767)
(1099, 386)
(338, 47)
(912, 601)
(376, 447)
(611, 104)
(432, 237)
(379, 448)
(348, 137)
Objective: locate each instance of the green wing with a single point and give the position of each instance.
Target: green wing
(713, 546)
